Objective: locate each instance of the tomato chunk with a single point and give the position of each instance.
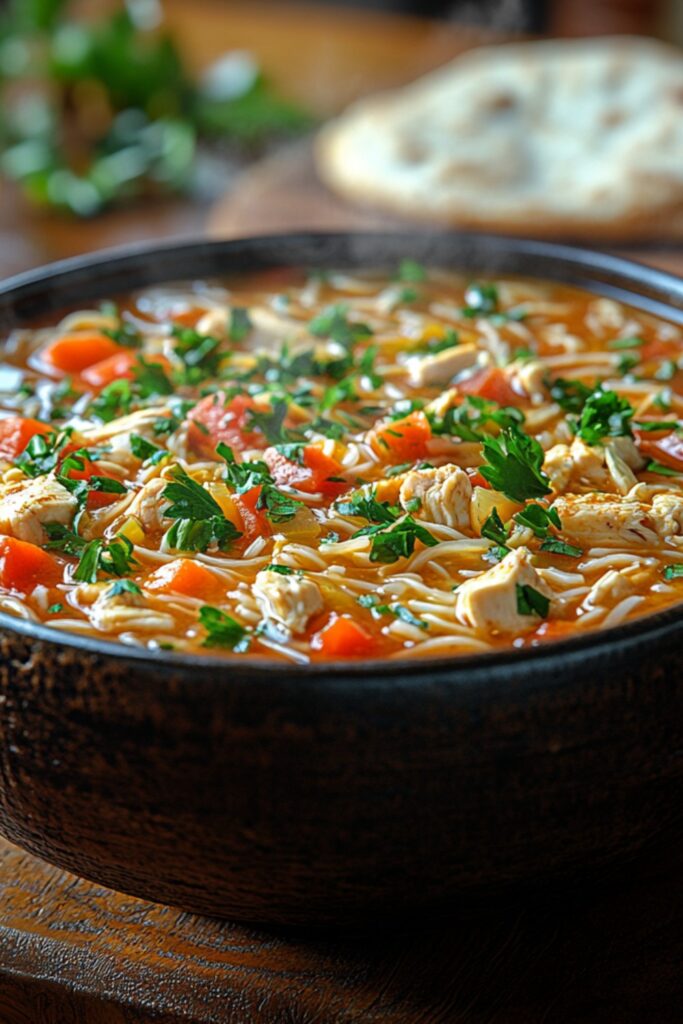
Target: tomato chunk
(96, 499)
(16, 432)
(73, 353)
(184, 576)
(314, 474)
(403, 440)
(493, 384)
(254, 521)
(343, 638)
(118, 367)
(23, 566)
(666, 450)
(217, 419)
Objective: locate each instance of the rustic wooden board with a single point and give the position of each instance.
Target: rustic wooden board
(601, 952)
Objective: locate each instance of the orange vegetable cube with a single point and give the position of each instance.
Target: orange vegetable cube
(344, 638)
(184, 576)
(23, 566)
(15, 434)
(73, 353)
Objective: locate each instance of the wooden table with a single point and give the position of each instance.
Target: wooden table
(600, 951)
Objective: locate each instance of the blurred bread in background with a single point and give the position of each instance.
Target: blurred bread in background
(575, 138)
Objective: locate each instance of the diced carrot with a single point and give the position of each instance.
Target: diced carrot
(403, 440)
(188, 317)
(16, 432)
(493, 384)
(184, 576)
(118, 367)
(315, 473)
(666, 450)
(344, 638)
(254, 521)
(73, 353)
(217, 419)
(23, 566)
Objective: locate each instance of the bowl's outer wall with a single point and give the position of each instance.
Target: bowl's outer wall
(306, 797)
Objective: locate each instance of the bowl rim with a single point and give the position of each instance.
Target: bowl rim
(662, 289)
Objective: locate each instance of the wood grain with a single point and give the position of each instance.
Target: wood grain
(605, 952)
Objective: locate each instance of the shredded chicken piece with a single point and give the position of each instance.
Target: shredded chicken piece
(528, 378)
(444, 493)
(147, 505)
(214, 322)
(490, 601)
(290, 600)
(667, 514)
(426, 371)
(591, 520)
(25, 509)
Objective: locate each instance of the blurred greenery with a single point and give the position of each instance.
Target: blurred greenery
(99, 112)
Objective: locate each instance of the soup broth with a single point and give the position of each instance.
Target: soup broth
(317, 466)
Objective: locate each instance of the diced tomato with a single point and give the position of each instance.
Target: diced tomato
(73, 353)
(96, 499)
(403, 440)
(493, 384)
(668, 450)
(184, 576)
(16, 432)
(477, 480)
(23, 566)
(217, 419)
(313, 475)
(344, 638)
(118, 367)
(254, 521)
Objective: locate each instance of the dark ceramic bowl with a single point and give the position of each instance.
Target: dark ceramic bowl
(272, 793)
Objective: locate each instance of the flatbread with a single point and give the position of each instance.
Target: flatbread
(571, 137)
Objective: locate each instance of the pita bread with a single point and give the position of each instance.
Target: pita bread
(575, 137)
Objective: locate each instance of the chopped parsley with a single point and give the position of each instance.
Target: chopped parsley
(538, 519)
(493, 529)
(468, 420)
(145, 450)
(240, 324)
(661, 470)
(531, 601)
(570, 395)
(283, 570)
(151, 379)
(514, 462)
(126, 334)
(42, 453)
(673, 571)
(560, 547)
(604, 414)
(480, 300)
(114, 558)
(114, 400)
(618, 344)
(199, 520)
(389, 543)
(366, 506)
(199, 353)
(334, 323)
(222, 630)
(123, 586)
(378, 609)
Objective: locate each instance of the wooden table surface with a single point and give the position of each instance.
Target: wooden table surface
(601, 951)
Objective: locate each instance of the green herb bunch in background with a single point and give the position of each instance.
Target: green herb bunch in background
(99, 111)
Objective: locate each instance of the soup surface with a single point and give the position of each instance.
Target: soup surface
(318, 466)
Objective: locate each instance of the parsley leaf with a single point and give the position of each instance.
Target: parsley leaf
(389, 543)
(199, 518)
(531, 601)
(514, 462)
(367, 507)
(240, 324)
(538, 519)
(481, 300)
(334, 323)
(222, 630)
(199, 353)
(673, 572)
(467, 420)
(41, 454)
(123, 586)
(559, 547)
(113, 401)
(151, 378)
(570, 395)
(605, 414)
(190, 499)
(494, 530)
(145, 450)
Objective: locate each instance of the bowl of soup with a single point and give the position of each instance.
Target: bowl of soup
(339, 574)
